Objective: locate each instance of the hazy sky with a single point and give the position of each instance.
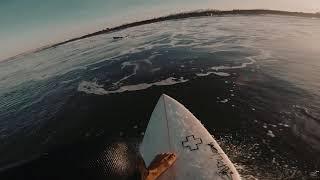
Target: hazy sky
(30, 24)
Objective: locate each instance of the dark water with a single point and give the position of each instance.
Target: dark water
(253, 82)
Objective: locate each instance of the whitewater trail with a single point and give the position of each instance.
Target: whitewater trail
(95, 88)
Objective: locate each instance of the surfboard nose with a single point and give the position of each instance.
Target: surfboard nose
(168, 101)
(165, 97)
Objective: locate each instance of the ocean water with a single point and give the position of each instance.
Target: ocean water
(253, 81)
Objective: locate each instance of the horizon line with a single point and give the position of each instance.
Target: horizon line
(174, 16)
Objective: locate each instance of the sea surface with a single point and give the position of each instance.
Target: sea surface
(253, 81)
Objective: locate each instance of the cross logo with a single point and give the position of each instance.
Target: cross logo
(192, 143)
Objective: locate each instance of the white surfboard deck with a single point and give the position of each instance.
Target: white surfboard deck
(172, 128)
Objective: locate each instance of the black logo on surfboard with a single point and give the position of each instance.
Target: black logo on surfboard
(192, 143)
(223, 169)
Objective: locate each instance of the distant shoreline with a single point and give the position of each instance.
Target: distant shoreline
(184, 15)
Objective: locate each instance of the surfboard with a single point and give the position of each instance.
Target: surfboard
(173, 128)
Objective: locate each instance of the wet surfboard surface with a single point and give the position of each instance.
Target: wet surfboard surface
(173, 128)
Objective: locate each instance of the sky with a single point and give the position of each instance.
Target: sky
(29, 24)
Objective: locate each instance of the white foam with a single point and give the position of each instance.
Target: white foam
(270, 133)
(284, 125)
(155, 69)
(136, 67)
(125, 64)
(243, 65)
(203, 74)
(223, 74)
(148, 61)
(224, 101)
(95, 88)
(91, 88)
